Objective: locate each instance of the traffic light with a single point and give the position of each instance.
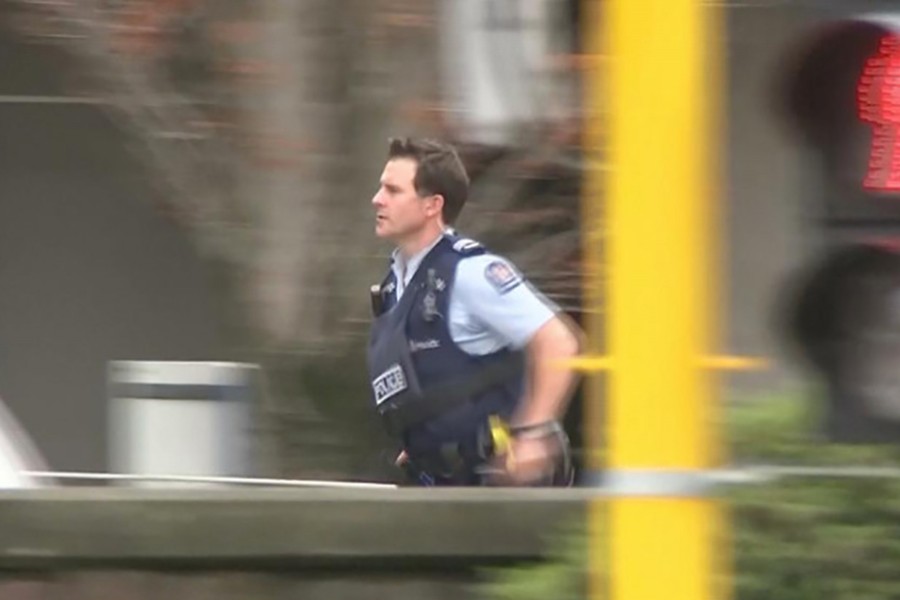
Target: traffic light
(841, 95)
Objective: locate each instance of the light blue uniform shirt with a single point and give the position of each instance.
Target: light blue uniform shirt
(488, 312)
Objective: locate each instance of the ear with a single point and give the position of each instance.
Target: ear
(436, 205)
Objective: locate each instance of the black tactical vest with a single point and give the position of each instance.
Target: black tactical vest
(426, 388)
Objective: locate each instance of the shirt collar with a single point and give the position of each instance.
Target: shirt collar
(415, 260)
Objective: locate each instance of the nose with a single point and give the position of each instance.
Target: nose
(378, 200)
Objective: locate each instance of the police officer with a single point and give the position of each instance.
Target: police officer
(457, 334)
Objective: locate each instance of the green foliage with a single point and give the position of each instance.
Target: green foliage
(794, 539)
(822, 538)
(785, 430)
(561, 578)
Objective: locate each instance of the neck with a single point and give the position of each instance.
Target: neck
(422, 239)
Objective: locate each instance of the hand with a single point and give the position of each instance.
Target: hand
(530, 459)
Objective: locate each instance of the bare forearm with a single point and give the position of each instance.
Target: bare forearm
(550, 383)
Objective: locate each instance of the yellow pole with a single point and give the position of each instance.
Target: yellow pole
(658, 191)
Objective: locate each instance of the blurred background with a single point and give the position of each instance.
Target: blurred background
(190, 180)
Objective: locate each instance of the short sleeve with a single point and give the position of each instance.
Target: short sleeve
(496, 295)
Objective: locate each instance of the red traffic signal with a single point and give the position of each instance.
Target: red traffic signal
(841, 94)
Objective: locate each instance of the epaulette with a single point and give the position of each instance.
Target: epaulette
(467, 247)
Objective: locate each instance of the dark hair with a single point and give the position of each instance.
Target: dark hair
(439, 170)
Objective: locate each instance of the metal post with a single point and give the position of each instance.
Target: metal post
(661, 94)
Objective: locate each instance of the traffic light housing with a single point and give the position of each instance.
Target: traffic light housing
(841, 95)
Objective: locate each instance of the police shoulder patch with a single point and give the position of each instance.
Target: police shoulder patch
(502, 276)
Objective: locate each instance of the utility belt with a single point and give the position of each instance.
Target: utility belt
(454, 464)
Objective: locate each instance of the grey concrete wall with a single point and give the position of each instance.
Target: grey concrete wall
(228, 585)
(315, 543)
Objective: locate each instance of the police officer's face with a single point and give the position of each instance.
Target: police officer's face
(400, 213)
